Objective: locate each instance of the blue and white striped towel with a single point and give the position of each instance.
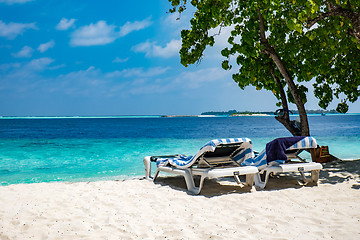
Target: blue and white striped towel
(260, 160)
(183, 161)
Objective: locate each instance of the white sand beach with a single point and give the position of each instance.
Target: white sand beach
(140, 209)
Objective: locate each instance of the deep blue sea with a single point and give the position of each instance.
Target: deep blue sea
(90, 149)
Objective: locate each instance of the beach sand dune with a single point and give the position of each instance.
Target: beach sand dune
(140, 209)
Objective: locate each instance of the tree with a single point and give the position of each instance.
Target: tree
(277, 48)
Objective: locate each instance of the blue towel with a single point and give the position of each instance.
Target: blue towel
(275, 150)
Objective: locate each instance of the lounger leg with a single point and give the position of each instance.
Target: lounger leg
(250, 179)
(190, 182)
(315, 175)
(197, 190)
(147, 164)
(304, 179)
(186, 173)
(156, 174)
(237, 179)
(258, 182)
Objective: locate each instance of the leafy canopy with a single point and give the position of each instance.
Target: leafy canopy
(325, 53)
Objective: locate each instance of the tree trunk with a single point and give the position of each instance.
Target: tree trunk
(284, 118)
(304, 131)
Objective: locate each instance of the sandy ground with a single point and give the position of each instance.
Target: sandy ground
(140, 209)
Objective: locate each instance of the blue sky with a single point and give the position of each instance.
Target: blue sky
(91, 57)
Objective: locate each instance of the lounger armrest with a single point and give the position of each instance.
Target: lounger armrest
(294, 167)
(224, 172)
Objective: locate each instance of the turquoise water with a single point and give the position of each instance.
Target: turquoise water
(89, 149)
(43, 160)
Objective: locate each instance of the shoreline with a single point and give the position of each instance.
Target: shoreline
(160, 116)
(114, 177)
(250, 115)
(141, 209)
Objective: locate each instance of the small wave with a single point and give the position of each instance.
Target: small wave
(8, 171)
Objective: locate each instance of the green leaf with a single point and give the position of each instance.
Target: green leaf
(342, 107)
(225, 65)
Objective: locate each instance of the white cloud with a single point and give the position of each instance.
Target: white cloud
(138, 72)
(12, 30)
(28, 77)
(45, 46)
(182, 82)
(89, 82)
(134, 26)
(39, 64)
(120, 60)
(25, 52)
(94, 34)
(159, 80)
(10, 2)
(101, 33)
(24, 77)
(200, 78)
(6, 66)
(172, 20)
(65, 24)
(151, 49)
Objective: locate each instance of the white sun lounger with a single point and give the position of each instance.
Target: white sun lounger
(293, 163)
(217, 158)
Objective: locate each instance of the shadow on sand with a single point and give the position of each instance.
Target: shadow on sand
(332, 173)
(341, 171)
(212, 187)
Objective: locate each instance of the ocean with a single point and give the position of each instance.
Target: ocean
(72, 149)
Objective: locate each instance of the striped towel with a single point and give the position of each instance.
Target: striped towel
(307, 142)
(183, 161)
(260, 161)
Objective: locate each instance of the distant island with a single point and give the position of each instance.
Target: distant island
(250, 113)
(220, 113)
(234, 113)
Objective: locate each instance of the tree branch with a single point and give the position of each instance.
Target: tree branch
(343, 12)
(333, 11)
(283, 98)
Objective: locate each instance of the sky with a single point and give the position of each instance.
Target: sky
(97, 58)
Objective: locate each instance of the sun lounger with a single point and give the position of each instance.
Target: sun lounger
(217, 158)
(282, 155)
